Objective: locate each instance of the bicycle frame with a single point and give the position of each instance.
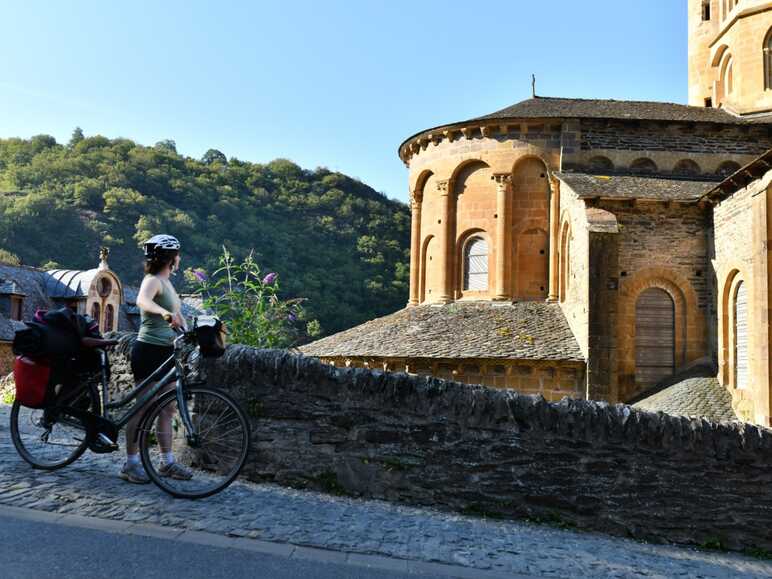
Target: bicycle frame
(171, 370)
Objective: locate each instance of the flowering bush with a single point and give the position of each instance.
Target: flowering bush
(249, 304)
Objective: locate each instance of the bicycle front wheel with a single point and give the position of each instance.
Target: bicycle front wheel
(207, 459)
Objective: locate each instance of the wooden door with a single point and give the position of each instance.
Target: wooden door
(654, 337)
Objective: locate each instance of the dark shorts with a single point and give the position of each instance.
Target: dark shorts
(146, 358)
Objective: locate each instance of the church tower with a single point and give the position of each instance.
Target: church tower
(730, 55)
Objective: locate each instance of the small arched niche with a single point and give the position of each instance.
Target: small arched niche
(643, 166)
(600, 164)
(687, 168)
(727, 168)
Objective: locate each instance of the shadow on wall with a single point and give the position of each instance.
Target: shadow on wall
(497, 453)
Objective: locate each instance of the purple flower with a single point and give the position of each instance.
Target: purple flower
(270, 278)
(200, 275)
(292, 317)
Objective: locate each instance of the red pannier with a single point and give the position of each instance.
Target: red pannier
(31, 378)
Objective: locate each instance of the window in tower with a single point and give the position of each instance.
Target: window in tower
(705, 10)
(768, 61)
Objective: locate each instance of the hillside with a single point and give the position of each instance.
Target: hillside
(333, 240)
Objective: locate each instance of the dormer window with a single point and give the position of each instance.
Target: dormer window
(11, 300)
(17, 307)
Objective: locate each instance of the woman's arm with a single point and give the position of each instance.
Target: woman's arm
(150, 288)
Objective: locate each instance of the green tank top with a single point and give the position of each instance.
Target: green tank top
(153, 329)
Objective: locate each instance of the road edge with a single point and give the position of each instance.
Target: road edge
(288, 550)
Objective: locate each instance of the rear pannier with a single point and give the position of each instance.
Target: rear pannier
(32, 378)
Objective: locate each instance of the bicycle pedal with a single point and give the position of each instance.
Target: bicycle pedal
(103, 445)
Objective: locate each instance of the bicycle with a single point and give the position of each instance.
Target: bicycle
(210, 432)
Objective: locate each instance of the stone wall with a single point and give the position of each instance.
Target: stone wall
(6, 358)
(573, 265)
(676, 236)
(497, 453)
(552, 379)
(741, 248)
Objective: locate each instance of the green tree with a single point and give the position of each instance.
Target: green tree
(338, 244)
(214, 156)
(77, 137)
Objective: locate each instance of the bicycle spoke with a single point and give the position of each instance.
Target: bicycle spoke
(222, 439)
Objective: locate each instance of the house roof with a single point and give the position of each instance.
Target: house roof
(9, 286)
(539, 107)
(555, 107)
(741, 178)
(695, 396)
(519, 331)
(587, 186)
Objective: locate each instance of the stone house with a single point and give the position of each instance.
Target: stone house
(97, 292)
(597, 248)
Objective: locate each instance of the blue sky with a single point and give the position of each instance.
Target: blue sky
(325, 83)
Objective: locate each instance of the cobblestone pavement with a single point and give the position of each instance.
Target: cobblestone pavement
(267, 512)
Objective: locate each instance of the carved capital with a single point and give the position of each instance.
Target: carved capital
(443, 186)
(502, 180)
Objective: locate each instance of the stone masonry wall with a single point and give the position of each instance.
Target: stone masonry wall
(741, 233)
(498, 453)
(552, 379)
(574, 295)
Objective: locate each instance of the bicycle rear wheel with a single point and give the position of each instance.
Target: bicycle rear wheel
(214, 453)
(51, 438)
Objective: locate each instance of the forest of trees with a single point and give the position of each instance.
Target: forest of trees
(331, 238)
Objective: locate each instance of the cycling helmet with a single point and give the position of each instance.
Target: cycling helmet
(162, 241)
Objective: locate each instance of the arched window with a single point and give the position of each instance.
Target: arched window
(643, 166)
(741, 336)
(727, 75)
(727, 168)
(109, 318)
(476, 265)
(564, 263)
(686, 168)
(600, 163)
(654, 336)
(95, 312)
(768, 61)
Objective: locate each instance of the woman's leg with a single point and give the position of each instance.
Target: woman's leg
(132, 438)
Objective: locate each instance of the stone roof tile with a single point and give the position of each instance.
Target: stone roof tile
(519, 331)
(555, 107)
(696, 396)
(587, 185)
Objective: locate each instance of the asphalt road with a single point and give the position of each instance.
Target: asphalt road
(33, 549)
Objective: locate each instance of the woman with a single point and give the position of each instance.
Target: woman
(157, 300)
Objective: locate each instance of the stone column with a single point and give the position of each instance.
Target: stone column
(503, 235)
(554, 265)
(415, 249)
(446, 242)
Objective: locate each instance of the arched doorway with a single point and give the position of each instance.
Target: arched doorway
(741, 336)
(654, 337)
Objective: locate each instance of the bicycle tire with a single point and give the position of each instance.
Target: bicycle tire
(147, 437)
(24, 418)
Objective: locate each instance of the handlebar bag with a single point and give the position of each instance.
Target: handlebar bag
(31, 378)
(210, 334)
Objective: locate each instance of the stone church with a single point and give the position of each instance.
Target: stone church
(613, 250)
